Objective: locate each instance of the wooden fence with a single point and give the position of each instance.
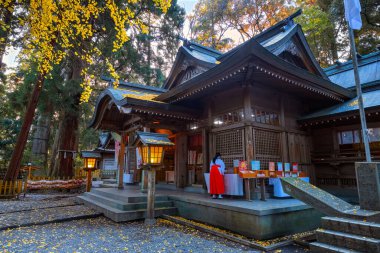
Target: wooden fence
(80, 173)
(10, 189)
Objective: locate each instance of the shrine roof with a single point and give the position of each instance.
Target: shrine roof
(270, 46)
(370, 100)
(130, 98)
(90, 154)
(242, 57)
(148, 138)
(369, 71)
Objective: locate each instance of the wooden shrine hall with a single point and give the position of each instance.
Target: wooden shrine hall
(267, 99)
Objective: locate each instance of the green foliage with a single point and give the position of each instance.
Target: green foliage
(319, 32)
(9, 128)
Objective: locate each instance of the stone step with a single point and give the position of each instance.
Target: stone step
(121, 216)
(351, 226)
(318, 247)
(110, 180)
(349, 241)
(108, 185)
(128, 199)
(121, 205)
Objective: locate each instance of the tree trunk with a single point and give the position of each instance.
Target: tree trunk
(69, 134)
(53, 167)
(40, 141)
(68, 144)
(14, 165)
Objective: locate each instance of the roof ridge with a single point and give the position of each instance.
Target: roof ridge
(135, 85)
(188, 42)
(349, 62)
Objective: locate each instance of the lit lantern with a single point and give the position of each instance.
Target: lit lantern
(90, 159)
(89, 162)
(151, 148)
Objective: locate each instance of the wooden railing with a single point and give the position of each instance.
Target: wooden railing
(10, 189)
(108, 173)
(80, 173)
(343, 156)
(336, 180)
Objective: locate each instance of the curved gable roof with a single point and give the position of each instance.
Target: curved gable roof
(191, 56)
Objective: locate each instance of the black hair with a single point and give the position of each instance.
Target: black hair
(216, 157)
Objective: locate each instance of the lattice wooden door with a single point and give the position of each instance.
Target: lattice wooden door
(230, 145)
(299, 151)
(267, 147)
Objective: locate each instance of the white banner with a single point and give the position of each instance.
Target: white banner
(352, 12)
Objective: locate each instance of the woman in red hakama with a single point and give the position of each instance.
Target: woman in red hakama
(216, 176)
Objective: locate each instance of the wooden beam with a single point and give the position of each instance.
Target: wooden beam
(133, 128)
(131, 121)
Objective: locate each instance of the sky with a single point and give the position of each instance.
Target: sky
(188, 5)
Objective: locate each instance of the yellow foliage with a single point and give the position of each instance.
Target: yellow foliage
(58, 27)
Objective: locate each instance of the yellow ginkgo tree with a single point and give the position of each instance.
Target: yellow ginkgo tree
(52, 30)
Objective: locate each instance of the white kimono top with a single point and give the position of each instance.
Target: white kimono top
(220, 163)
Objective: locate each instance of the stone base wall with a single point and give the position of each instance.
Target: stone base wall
(261, 227)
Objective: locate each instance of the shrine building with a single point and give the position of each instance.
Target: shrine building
(267, 99)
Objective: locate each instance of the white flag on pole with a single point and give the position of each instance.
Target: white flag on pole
(352, 12)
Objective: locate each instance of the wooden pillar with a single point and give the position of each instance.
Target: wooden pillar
(121, 162)
(144, 174)
(248, 130)
(206, 158)
(284, 138)
(149, 220)
(180, 162)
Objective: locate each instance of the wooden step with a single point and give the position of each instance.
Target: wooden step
(349, 241)
(351, 226)
(318, 247)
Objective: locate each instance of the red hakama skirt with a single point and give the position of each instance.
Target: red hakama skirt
(216, 180)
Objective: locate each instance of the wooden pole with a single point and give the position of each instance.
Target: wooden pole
(89, 181)
(359, 96)
(121, 162)
(149, 220)
(262, 189)
(14, 165)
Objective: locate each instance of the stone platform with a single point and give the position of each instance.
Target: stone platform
(255, 219)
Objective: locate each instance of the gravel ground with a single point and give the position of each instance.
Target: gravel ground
(35, 202)
(97, 234)
(103, 235)
(42, 209)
